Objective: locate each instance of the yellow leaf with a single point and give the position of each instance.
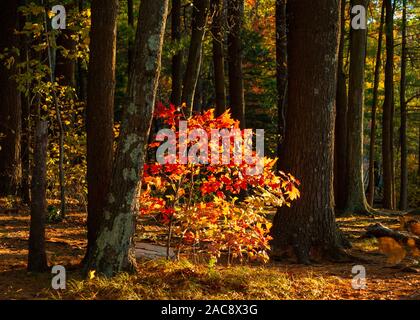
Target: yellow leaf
(91, 274)
(293, 193)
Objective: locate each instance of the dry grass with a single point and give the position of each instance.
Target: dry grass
(183, 280)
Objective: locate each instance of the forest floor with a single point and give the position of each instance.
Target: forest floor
(161, 279)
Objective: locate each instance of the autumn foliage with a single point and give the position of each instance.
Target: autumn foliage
(210, 208)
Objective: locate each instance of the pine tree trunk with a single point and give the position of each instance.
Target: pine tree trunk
(25, 119)
(113, 252)
(387, 116)
(198, 26)
(177, 57)
(340, 147)
(10, 106)
(37, 258)
(309, 227)
(130, 16)
(218, 59)
(25, 149)
(356, 199)
(403, 105)
(100, 111)
(236, 81)
(371, 186)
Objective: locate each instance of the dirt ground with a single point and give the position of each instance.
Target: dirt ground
(66, 243)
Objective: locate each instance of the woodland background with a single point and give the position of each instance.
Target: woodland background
(340, 110)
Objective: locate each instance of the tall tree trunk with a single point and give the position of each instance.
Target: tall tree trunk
(340, 147)
(281, 69)
(177, 57)
(356, 199)
(130, 15)
(403, 105)
(25, 149)
(112, 252)
(198, 26)
(100, 111)
(309, 225)
(37, 257)
(371, 186)
(218, 59)
(236, 81)
(387, 115)
(25, 117)
(10, 105)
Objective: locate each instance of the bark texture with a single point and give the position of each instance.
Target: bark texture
(403, 105)
(37, 257)
(113, 250)
(100, 110)
(388, 110)
(340, 147)
(372, 146)
(177, 57)
(308, 227)
(218, 56)
(356, 199)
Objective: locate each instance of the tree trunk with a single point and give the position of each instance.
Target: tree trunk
(37, 257)
(309, 227)
(113, 250)
(356, 199)
(10, 105)
(25, 119)
(371, 186)
(198, 26)
(281, 68)
(387, 115)
(340, 147)
(380, 231)
(130, 15)
(403, 105)
(100, 111)
(25, 149)
(218, 59)
(236, 81)
(177, 57)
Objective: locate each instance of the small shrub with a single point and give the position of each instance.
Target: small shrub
(213, 208)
